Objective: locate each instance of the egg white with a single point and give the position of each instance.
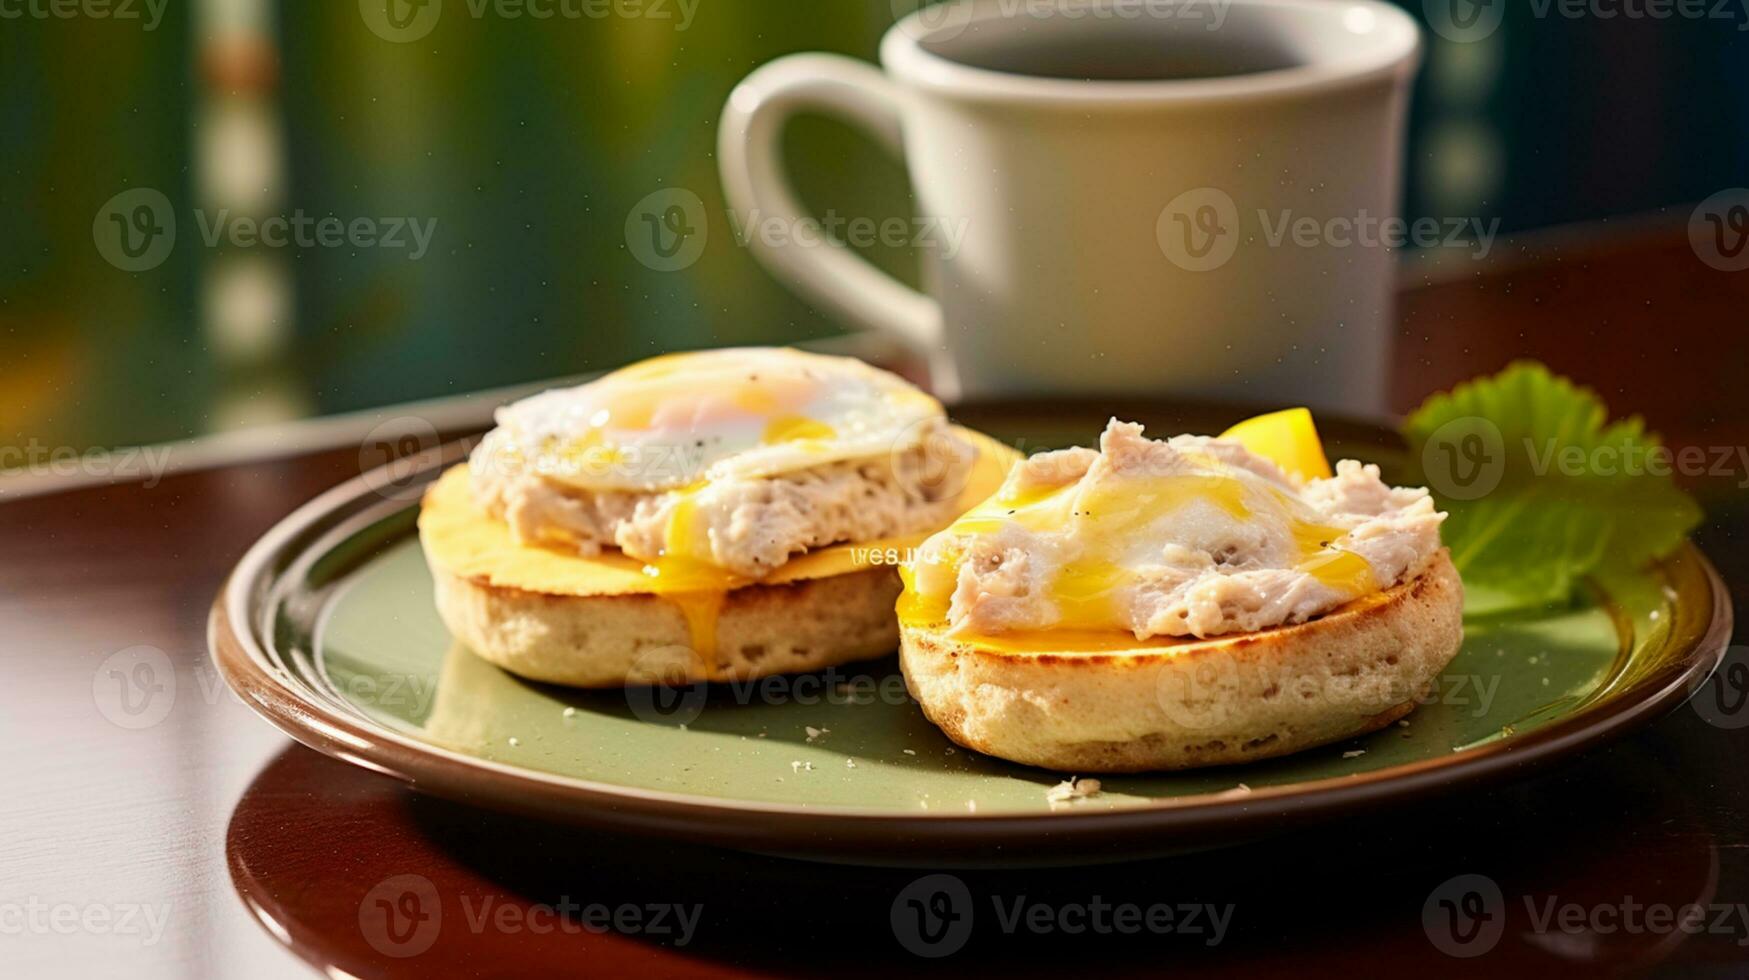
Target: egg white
(740, 413)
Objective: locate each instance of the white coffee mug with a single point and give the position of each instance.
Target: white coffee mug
(1142, 196)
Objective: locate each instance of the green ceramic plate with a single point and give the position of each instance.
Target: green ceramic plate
(327, 628)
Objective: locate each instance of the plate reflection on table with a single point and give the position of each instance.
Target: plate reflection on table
(358, 875)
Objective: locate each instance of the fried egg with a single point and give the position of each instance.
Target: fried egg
(674, 421)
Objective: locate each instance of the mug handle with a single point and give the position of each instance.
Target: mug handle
(749, 151)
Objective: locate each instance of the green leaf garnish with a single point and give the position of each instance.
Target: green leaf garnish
(1542, 489)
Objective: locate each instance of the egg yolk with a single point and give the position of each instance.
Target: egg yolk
(796, 428)
(682, 402)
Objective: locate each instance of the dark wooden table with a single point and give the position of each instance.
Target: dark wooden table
(151, 825)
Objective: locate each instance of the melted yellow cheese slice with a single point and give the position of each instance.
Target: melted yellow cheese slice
(1288, 439)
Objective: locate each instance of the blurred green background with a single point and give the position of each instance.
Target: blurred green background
(528, 141)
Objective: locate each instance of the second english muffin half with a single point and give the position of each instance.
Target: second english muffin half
(1194, 703)
(1166, 604)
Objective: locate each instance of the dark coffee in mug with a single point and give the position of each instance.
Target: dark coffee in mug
(1115, 49)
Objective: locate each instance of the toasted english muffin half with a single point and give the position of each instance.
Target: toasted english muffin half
(1185, 704)
(613, 640)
